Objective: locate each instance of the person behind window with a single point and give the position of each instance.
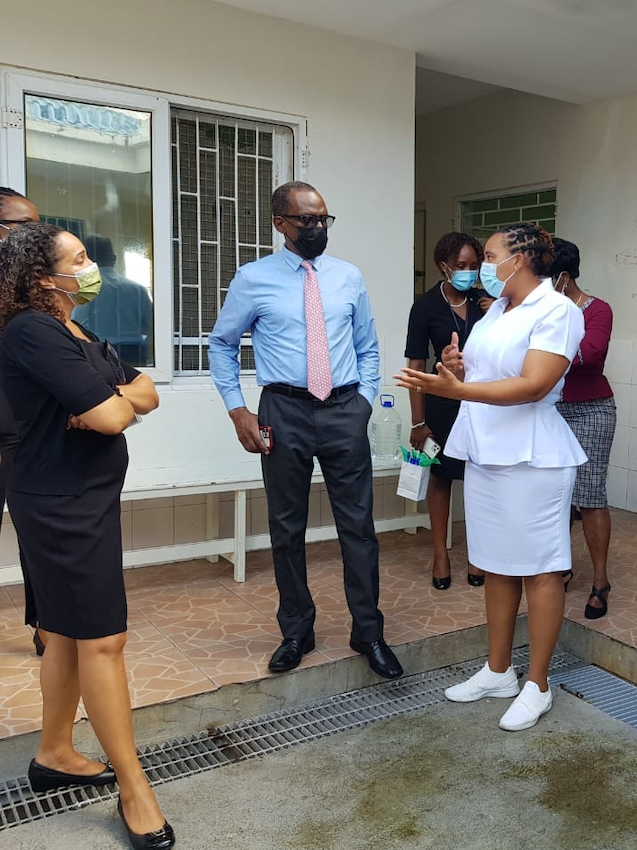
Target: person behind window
(316, 353)
(520, 458)
(123, 313)
(72, 398)
(15, 210)
(588, 406)
(454, 304)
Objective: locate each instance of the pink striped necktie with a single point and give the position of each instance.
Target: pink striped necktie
(319, 372)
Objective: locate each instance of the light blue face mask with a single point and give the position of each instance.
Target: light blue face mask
(490, 280)
(464, 279)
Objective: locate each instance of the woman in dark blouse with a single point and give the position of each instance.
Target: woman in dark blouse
(72, 399)
(451, 305)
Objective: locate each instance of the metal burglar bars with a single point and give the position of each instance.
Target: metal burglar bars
(223, 174)
(270, 733)
(481, 217)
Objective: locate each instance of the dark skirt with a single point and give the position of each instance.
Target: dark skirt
(73, 560)
(440, 414)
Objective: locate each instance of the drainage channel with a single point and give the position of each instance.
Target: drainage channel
(254, 738)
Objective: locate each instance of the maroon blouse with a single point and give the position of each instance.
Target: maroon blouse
(585, 380)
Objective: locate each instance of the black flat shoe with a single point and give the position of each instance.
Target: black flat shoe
(475, 581)
(37, 642)
(441, 583)
(290, 654)
(160, 839)
(593, 613)
(46, 779)
(380, 657)
(567, 576)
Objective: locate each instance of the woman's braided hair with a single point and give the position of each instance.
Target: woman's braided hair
(531, 240)
(28, 254)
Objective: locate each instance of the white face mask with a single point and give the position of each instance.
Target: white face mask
(557, 283)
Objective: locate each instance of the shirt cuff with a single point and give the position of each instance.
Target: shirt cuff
(233, 399)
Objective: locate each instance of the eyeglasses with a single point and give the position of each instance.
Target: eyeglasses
(6, 221)
(309, 221)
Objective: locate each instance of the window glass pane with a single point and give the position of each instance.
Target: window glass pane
(484, 217)
(89, 171)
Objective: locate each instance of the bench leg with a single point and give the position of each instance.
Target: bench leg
(411, 509)
(212, 521)
(239, 560)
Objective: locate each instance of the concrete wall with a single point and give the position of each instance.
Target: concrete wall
(358, 99)
(509, 140)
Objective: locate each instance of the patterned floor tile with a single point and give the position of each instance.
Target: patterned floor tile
(192, 628)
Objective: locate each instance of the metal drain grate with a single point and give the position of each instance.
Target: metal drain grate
(611, 695)
(261, 735)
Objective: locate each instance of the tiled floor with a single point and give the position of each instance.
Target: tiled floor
(193, 629)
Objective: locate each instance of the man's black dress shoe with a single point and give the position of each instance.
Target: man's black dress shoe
(290, 654)
(160, 839)
(46, 779)
(380, 657)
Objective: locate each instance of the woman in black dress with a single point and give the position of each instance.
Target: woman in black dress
(15, 210)
(451, 305)
(72, 399)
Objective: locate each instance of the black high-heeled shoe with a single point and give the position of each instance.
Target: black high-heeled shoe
(591, 612)
(441, 583)
(46, 779)
(160, 839)
(475, 581)
(37, 642)
(568, 575)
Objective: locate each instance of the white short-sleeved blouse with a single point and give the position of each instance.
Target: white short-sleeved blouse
(533, 433)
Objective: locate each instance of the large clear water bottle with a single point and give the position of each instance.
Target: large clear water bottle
(386, 427)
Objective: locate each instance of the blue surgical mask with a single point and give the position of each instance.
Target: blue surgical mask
(490, 280)
(464, 280)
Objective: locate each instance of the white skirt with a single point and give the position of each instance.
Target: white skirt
(518, 518)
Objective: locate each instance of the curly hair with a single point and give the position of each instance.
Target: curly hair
(27, 255)
(531, 240)
(565, 258)
(449, 246)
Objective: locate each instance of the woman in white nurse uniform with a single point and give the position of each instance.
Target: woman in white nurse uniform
(521, 459)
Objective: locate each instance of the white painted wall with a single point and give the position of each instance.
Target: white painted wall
(358, 98)
(508, 140)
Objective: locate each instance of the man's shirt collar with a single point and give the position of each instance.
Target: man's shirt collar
(294, 260)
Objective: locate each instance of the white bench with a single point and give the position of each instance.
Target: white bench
(234, 548)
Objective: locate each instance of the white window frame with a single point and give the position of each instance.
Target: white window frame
(15, 83)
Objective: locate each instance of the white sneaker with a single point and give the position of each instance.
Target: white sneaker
(485, 683)
(527, 709)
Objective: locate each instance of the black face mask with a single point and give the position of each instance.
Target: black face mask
(311, 242)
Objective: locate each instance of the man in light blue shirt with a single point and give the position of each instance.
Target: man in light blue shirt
(270, 297)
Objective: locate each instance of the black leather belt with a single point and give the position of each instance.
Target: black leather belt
(301, 392)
